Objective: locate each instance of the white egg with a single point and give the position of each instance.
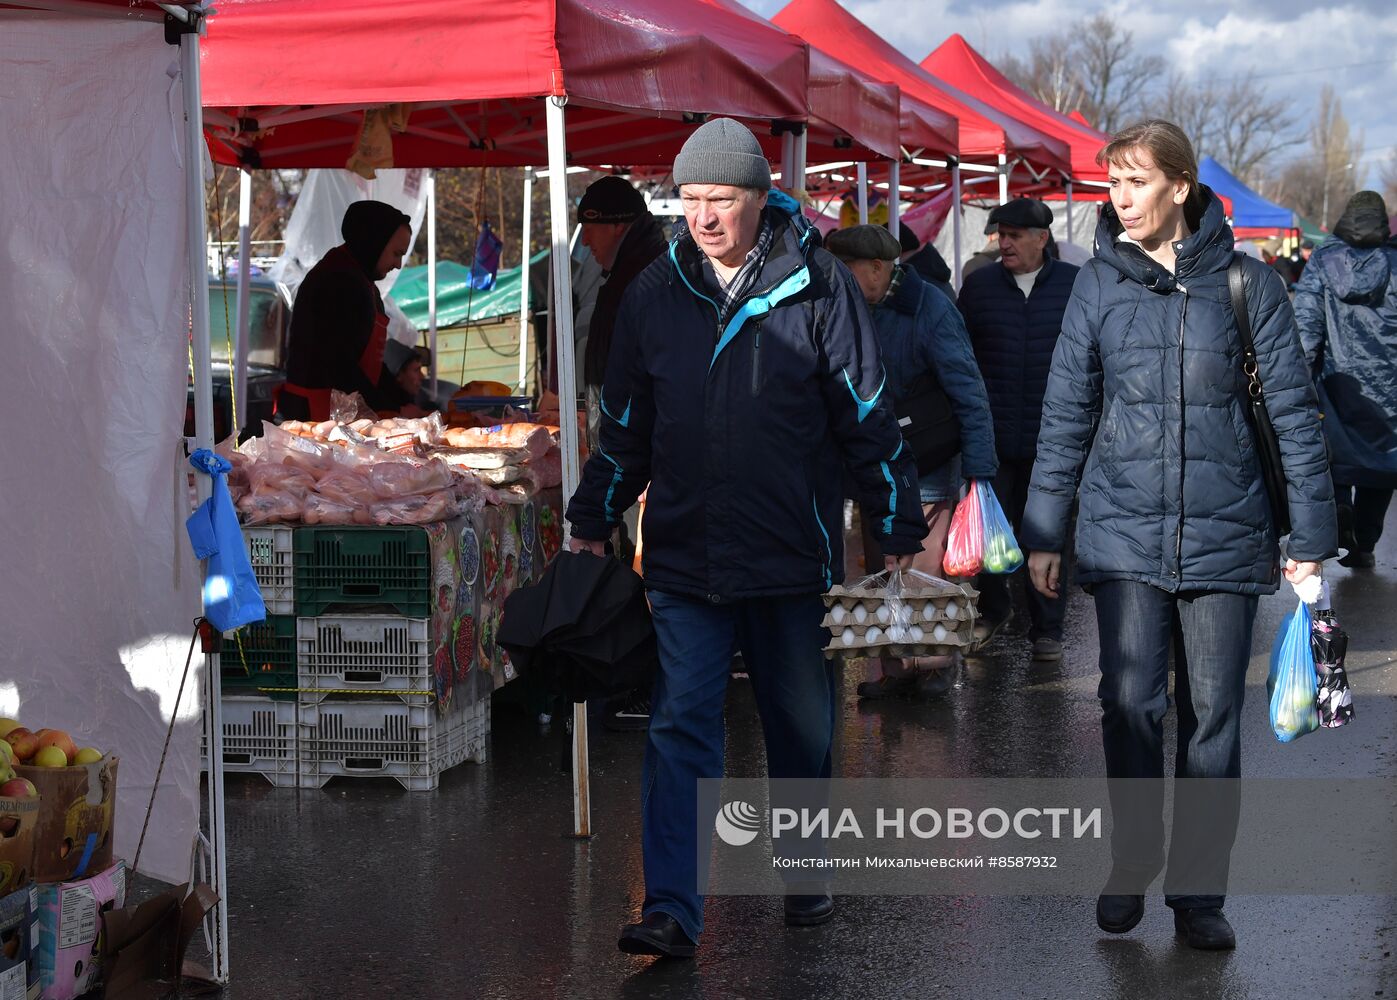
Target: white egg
(928, 611)
(897, 632)
(836, 614)
(884, 614)
(952, 609)
(874, 634)
(939, 633)
(917, 633)
(860, 613)
(848, 637)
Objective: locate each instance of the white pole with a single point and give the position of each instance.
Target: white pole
(567, 409)
(240, 339)
(801, 160)
(788, 161)
(1003, 179)
(432, 278)
(524, 251)
(1069, 212)
(863, 193)
(894, 197)
(956, 252)
(195, 237)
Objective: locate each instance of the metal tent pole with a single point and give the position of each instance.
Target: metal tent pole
(524, 251)
(567, 409)
(195, 237)
(863, 193)
(956, 244)
(244, 298)
(1003, 179)
(894, 197)
(801, 158)
(1069, 212)
(788, 161)
(432, 277)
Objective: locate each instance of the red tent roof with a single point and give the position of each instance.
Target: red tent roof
(475, 76)
(984, 132)
(960, 65)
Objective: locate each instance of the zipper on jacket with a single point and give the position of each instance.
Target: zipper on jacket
(1179, 538)
(757, 358)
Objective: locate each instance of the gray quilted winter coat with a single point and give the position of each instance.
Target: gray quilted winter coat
(1144, 411)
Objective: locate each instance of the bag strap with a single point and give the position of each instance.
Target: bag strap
(1237, 286)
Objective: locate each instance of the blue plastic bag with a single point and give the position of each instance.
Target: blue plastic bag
(232, 598)
(1002, 552)
(1292, 684)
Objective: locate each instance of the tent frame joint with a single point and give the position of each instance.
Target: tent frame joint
(176, 28)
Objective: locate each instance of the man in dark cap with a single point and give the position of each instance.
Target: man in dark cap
(1013, 310)
(743, 379)
(338, 324)
(625, 238)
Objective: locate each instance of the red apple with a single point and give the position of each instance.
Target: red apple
(23, 743)
(18, 788)
(56, 738)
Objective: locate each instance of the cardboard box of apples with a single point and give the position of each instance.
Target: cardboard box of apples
(75, 805)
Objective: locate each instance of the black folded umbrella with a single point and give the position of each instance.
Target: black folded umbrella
(1329, 643)
(583, 630)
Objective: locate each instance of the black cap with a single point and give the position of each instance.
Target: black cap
(1025, 213)
(866, 242)
(908, 239)
(611, 199)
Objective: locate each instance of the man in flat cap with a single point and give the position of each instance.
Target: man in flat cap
(744, 375)
(1013, 310)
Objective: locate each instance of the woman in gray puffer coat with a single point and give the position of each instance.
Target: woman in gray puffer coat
(1144, 410)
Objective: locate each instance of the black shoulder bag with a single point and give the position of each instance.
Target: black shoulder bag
(1268, 449)
(928, 421)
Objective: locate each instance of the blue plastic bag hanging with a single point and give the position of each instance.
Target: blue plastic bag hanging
(232, 598)
(1002, 552)
(1292, 684)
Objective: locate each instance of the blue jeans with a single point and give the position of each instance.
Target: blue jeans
(1210, 634)
(781, 643)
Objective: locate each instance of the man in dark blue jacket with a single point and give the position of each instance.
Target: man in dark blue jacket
(1013, 310)
(744, 374)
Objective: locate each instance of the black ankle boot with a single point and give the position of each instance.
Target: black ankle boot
(1116, 914)
(1205, 928)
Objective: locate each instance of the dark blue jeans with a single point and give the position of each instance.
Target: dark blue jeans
(1210, 636)
(1365, 510)
(781, 643)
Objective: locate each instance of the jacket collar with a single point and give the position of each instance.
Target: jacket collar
(1207, 250)
(793, 239)
(908, 295)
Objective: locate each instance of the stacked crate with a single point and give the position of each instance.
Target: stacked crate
(338, 682)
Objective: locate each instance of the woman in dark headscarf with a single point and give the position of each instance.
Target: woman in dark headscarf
(338, 325)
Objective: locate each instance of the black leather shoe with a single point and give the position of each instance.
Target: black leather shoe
(1205, 928)
(656, 934)
(809, 911)
(1117, 914)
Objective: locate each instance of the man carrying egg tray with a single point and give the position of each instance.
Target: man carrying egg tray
(744, 375)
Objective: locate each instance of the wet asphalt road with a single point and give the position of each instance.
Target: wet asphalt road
(362, 890)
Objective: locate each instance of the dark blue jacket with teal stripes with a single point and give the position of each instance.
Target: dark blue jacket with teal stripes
(741, 432)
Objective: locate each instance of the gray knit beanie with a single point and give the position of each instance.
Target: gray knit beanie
(723, 151)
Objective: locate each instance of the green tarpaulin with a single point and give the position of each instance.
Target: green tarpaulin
(457, 304)
(1310, 231)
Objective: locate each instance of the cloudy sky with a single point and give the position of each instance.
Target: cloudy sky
(1293, 46)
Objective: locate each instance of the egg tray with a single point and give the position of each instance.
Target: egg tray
(840, 615)
(958, 637)
(849, 596)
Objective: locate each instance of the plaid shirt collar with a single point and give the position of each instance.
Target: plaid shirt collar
(746, 275)
(893, 286)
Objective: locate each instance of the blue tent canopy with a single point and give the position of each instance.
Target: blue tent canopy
(1249, 209)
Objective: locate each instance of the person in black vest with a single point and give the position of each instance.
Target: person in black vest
(338, 324)
(1013, 310)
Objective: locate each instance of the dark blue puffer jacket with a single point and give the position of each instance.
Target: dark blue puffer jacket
(1171, 493)
(1014, 339)
(1346, 305)
(741, 431)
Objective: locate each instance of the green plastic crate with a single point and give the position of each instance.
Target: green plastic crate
(354, 569)
(257, 659)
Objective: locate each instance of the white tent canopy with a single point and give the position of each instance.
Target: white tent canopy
(101, 273)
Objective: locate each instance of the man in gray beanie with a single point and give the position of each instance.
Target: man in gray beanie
(744, 377)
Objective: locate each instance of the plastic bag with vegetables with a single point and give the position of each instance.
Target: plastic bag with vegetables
(1291, 686)
(1002, 552)
(965, 543)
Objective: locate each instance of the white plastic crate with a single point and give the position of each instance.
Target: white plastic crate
(364, 654)
(269, 551)
(260, 736)
(382, 739)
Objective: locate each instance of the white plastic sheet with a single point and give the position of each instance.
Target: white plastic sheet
(100, 586)
(314, 227)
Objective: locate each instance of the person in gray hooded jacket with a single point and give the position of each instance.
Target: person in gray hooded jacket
(1346, 305)
(1175, 537)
